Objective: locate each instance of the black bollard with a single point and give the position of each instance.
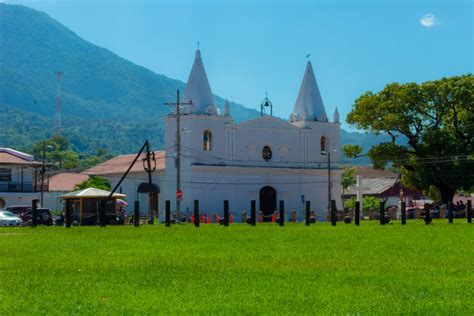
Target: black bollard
(67, 215)
(450, 212)
(253, 213)
(167, 213)
(333, 213)
(281, 215)
(404, 213)
(34, 212)
(196, 213)
(382, 213)
(469, 211)
(308, 213)
(427, 216)
(136, 214)
(102, 213)
(226, 212)
(357, 213)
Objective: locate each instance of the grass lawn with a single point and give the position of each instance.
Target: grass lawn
(371, 269)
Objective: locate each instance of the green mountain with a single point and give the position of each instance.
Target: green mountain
(107, 101)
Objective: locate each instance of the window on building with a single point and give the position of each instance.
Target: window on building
(266, 153)
(323, 144)
(5, 175)
(207, 141)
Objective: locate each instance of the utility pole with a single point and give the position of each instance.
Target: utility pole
(178, 105)
(57, 129)
(151, 189)
(329, 180)
(43, 171)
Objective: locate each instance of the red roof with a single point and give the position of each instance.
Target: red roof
(66, 181)
(8, 158)
(120, 164)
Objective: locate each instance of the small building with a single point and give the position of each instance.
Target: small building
(20, 178)
(59, 184)
(85, 205)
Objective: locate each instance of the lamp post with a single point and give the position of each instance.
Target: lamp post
(43, 170)
(328, 153)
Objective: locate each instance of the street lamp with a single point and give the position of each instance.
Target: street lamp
(43, 170)
(328, 153)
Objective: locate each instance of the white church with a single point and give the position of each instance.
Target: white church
(266, 159)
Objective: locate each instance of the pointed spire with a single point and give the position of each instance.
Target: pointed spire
(226, 108)
(336, 116)
(198, 90)
(309, 105)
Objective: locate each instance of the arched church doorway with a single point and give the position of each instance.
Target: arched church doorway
(267, 202)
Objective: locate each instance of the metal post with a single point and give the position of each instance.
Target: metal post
(34, 212)
(67, 217)
(404, 213)
(136, 214)
(178, 105)
(308, 213)
(149, 170)
(196, 213)
(427, 215)
(43, 171)
(357, 213)
(450, 212)
(329, 179)
(281, 216)
(226, 213)
(333, 212)
(382, 213)
(102, 213)
(168, 213)
(253, 212)
(469, 211)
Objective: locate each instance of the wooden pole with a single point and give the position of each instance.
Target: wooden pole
(333, 212)
(253, 212)
(226, 213)
(357, 213)
(308, 213)
(450, 212)
(469, 211)
(34, 212)
(382, 212)
(136, 214)
(196, 213)
(168, 213)
(281, 215)
(404, 213)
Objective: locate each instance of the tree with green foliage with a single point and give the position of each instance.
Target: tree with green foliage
(436, 119)
(57, 152)
(348, 178)
(369, 203)
(94, 182)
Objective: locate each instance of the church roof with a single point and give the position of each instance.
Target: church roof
(309, 105)
(198, 90)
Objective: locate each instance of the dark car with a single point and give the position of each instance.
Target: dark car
(18, 209)
(43, 216)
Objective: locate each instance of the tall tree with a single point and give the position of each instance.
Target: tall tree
(431, 126)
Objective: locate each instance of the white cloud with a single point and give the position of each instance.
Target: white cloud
(429, 20)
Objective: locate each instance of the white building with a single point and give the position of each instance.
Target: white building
(265, 159)
(19, 178)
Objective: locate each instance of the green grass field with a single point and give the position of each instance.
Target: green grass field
(371, 269)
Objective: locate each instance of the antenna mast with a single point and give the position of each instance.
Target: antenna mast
(57, 128)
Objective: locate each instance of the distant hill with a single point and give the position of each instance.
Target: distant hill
(107, 101)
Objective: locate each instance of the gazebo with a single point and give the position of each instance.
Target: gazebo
(84, 205)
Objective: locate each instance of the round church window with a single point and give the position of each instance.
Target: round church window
(266, 153)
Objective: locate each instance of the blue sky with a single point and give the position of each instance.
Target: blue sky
(250, 47)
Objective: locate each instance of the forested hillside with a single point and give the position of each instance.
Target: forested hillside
(107, 101)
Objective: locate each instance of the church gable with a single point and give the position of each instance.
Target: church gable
(267, 122)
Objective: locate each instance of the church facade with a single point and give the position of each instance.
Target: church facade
(265, 159)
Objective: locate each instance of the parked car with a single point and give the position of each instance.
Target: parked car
(25, 212)
(9, 219)
(43, 216)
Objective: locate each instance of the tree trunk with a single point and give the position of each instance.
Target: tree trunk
(447, 193)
